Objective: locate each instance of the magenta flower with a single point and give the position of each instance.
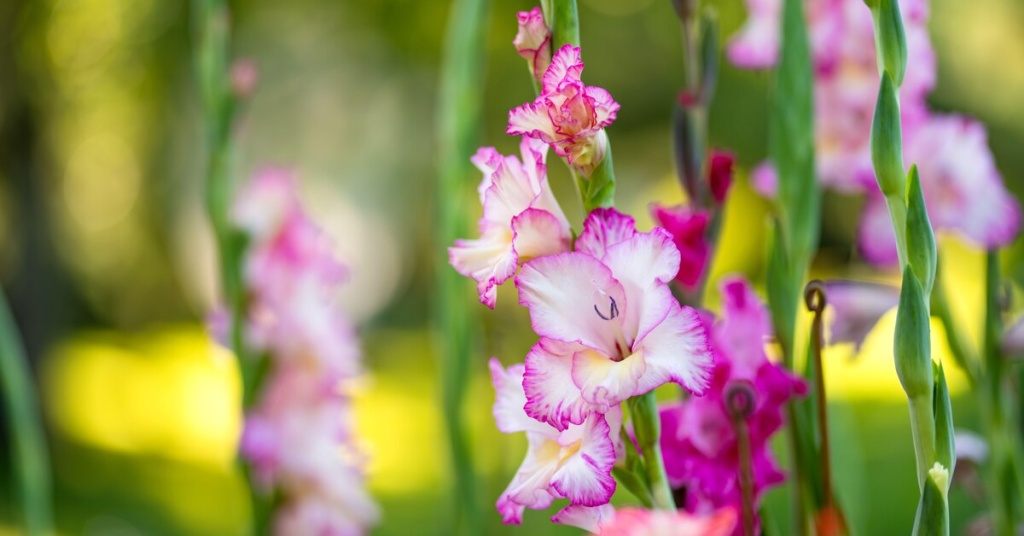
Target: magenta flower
(533, 42)
(574, 463)
(521, 219)
(720, 174)
(567, 115)
(609, 325)
(637, 522)
(962, 188)
(688, 228)
(698, 440)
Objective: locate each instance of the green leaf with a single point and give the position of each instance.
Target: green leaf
(921, 248)
(912, 344)
(890, 39)
(887, 141)
(945, 445)
(709, 56)
(782, 296)
(599, 189)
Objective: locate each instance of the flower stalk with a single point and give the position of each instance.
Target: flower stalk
(647, 426)
(30, 466)
(459, 112)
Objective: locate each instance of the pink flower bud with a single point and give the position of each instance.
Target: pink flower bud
(533, 42)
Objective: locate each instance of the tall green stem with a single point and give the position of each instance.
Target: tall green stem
(212, 59)
(31, 468)
(647, 426)
(459, 117)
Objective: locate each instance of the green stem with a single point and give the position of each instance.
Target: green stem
(459, 116)
(31, 468)
(647, 426)
(565, 24)
(922, 427)
(898, 215)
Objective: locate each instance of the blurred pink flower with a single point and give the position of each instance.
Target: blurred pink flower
(846, 77)
(521, 219)
(962, 188)
(637, 522)
(720, 174)
(298, 436)
(567, 115)
(533, 42)
(856, 307)
(698, 439)
(609, 325)
(574, 463)
(688, 227)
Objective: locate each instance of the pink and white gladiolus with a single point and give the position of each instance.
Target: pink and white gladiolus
(574, 463)
(533, 42)
(298, 437)
(567, 115)
(610, 327)
(521, 219)
(698, 439)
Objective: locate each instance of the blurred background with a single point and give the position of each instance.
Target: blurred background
(107, 258)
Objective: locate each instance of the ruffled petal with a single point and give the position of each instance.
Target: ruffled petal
(603, 228)
(643, 265)
(744, 326)
(509, 401)
(537, 233)
(566, 66)
(489, 260)
(585, 476)
(550, 394)
(531, 120)
(677, 350)
(604, 106)
(572, 298)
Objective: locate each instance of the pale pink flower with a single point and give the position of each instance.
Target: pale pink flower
(609, 325)
(698, 439)
(589, 518)
(637, 522)
(856, 307)
(962, 188)
(574, 463)
(688, 227)
(533, 42)
(567, 115)
(521, 219)
(315, 516)
(845, 78)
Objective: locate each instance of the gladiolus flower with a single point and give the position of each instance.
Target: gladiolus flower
(688, 228)
(521, 219)
(567, 115)
(609, 325)
(720, 174)
(574, 463)
(533, 42)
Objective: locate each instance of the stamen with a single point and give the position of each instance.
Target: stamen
(612, 313)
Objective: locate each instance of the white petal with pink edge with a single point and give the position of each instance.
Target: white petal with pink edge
(509, 401)
(585, 474)
(551, 396)
(677, 350)
(604, 227)
(572, 298)
(565, 64)
(588, 518)
(537, 233)
(604, 382)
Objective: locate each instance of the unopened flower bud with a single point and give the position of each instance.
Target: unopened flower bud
(890, 39)
(921, 248)
(912, 345)
(720, 174)
(533, 42)
(887, 141)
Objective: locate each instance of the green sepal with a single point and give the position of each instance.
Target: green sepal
(890, 39)
(646, 419)
(635, 482)
(599, 189)
(933, 509)
(565, 24)
(887, 141)
(912, 344)
(920, 238)
(942, 408)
